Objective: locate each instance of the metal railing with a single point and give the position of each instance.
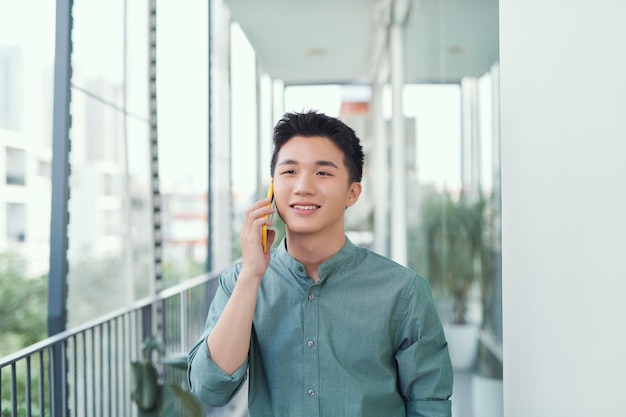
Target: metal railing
(85, 372)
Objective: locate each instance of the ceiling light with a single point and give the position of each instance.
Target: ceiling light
(456, 50)
(313, 51)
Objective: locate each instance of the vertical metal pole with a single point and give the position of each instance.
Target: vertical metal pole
(14, 389)
(59, 216)
(42, 376)
(157, 324)
(85, 379)
(57, 285)
(58, 380)
(92, 355)
(29, 387)
(74, 363)
(109, 370)
(184, 321)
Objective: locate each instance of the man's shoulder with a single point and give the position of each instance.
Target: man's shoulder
(377, 263)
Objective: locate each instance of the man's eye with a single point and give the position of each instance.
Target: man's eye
(323, 173)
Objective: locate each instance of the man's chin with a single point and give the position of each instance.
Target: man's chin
(302, 231)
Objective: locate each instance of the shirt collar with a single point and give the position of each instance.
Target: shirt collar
(325, 269)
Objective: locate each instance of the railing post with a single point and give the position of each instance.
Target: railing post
(146, 322)
(157, 238)
(57, 279)
(58, 380)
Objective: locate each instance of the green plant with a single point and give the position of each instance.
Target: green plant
(23, 312)
(22, 305)
(456, 246)
(152, 397)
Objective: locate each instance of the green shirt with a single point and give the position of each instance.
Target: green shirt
(365, 340)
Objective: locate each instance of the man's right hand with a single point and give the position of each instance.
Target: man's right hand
(229, 341)
(255, 261)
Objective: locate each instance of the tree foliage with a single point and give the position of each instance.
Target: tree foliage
(23, 306)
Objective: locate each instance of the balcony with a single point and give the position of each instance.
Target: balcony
(87, 372)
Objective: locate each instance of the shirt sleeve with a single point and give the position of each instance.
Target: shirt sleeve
(424, 368)
(207, 381)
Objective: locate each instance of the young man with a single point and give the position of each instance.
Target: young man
(325, 328)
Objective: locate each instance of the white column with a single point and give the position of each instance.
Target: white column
(261, 170)
(221, 240)
(496, 159)
(398, 144)
(380, 177)
(471, 166)
(563, 85)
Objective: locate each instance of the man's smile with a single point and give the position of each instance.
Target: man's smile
(305, 207)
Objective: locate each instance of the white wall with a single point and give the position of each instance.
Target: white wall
(563, 86)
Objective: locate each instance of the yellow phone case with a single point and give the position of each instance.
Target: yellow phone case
(270, 195)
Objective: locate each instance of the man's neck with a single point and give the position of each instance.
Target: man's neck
(314, 249)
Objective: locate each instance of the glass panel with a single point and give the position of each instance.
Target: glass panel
(454, 234)
(138, 208)
(454, 238)
(26, 73)
(110, 218)
(182, 78)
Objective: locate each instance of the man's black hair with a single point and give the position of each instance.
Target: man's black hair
(312, 123)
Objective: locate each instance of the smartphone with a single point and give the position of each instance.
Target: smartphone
(270, 195)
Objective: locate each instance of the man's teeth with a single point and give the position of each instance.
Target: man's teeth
(298, 207)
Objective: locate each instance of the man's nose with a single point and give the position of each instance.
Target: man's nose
(304, 185)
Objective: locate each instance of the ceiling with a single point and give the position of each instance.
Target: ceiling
(334, 41)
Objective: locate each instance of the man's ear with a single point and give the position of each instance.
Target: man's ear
(353, 193)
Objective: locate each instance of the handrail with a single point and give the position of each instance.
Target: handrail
(489, 342)
(144, 302)
(61, 374)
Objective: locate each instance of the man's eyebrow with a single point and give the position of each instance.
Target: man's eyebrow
(327, 164)
(287, 162)
(320, 163)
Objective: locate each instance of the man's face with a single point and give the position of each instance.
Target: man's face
(312, 185)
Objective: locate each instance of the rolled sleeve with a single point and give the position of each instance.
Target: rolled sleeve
(209, 382)
(429, 408)
(424, 368)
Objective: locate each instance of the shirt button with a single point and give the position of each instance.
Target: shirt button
(311, 297)
(300, 269)
(311, 392)
(310, 343)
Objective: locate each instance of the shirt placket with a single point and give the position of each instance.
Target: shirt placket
(311, 352)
